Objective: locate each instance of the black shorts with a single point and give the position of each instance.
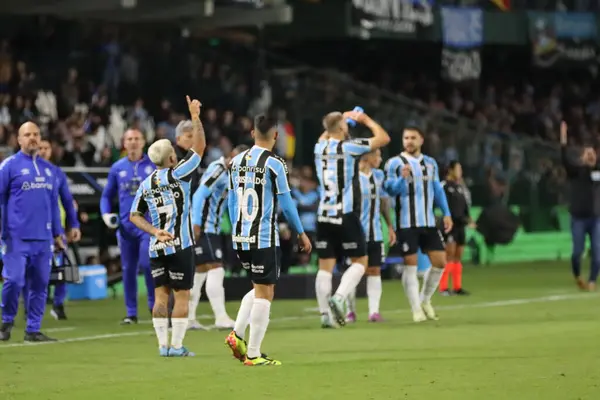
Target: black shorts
(457, 235)
(376, 253)
(174, 270)
(263, 265)
(209, 249)
(345, 240)
(410, 240)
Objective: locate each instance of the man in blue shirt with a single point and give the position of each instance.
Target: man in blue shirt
(413, 179)
(30, 222)
(258, 183)
(208, 206)
(124, 178)
(72, 223)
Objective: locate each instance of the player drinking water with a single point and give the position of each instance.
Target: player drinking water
(166, 196)
(413, 178)
(339, 230)
(258, 183)
(374, 204)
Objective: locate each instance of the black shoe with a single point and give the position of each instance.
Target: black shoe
(37, 337)
(446, 293)
(129, 320)
(58, 312)
(461, 292)
(5, 331)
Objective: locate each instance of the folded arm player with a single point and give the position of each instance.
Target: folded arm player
(413, 179)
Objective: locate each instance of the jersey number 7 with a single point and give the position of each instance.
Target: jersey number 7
(244, 209)
(167, 211)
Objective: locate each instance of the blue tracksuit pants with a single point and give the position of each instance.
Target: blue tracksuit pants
(135, 256)
(26, 262)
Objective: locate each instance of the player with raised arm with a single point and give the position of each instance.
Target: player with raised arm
(374, 204)
(339, 230)
(166, 197)
(413, 178)
(258, 183)
(208, 206)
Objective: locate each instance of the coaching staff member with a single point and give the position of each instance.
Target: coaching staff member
(584, 180)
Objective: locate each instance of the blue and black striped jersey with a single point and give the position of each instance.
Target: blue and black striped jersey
(413, 208)
(336, 163)
(371, 189)
(256, 177)
(210, 200)
(166, 196)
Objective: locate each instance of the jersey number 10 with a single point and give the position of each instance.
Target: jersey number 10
(244, 209)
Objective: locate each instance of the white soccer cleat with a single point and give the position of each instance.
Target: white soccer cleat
(419, 316)
(194, 325)
(429, 311)
(224, 324)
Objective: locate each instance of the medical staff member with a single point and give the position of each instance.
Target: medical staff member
(70, 220)
(124, 178)
(30, 223)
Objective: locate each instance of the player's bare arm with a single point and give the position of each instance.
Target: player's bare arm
(380, 136)
(199, 137)
(138, 220)
(385, 213)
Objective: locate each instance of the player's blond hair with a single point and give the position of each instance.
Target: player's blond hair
(160, 151)
(331, 121)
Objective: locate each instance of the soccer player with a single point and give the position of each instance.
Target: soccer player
(166, 196)
(339, 230)
(423, 264)
(413, 178)
(208, 207)
(374, 205)
(71, 221)
(124, 179)
(30, 222)
(258, 183)
(456, 238)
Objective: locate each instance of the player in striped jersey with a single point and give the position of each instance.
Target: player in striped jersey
(208, 206)
(374, 205)
(258, 183)
(339, 231)
(413, 179)
(166, 196)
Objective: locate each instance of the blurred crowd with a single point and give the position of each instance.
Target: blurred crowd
(85, 85)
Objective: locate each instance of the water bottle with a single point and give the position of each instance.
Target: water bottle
(352, 122)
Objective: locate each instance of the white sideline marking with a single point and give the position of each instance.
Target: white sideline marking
(489, 304)
(63, 329)
(80, 339)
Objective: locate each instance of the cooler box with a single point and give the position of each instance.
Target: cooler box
(92, 286)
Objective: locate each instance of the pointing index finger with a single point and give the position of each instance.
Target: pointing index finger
(189, 101)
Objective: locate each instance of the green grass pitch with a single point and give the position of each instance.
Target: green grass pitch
(526, 333)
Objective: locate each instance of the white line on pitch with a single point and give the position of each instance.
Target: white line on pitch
(489, 304)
